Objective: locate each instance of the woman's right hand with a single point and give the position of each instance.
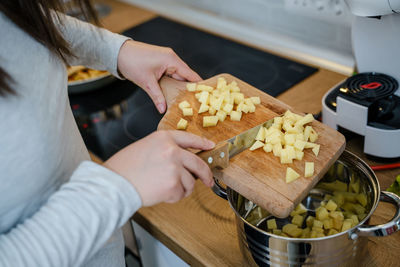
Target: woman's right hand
(160, 168)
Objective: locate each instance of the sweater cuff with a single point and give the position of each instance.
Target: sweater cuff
(115, 43)
(98, 174)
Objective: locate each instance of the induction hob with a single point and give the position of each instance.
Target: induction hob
(120, 113)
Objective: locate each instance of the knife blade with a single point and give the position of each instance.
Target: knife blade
(219, 156)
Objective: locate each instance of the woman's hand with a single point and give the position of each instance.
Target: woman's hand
(145, 64)
(160, 168)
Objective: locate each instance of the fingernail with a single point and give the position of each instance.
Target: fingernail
(161, 108)
(211, 143)
(212, 183)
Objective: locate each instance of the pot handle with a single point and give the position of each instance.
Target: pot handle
(219, 190)
(383, 229)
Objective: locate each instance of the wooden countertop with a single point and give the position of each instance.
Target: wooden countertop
(201, 228)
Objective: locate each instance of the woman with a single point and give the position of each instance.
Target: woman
(57, 208)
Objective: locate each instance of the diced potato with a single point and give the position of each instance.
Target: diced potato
(299, 155)
(309, 145)
(291, 230)
(184, 104)
(337, 223)
(290, 139)
(315, 150)
(355, 186)
(334, 186)
(204, 88)
(313, 234)
(291, 151)
(182, 124)
(228, 108)
(191, 87)
(321, 213)
(276, 231)
(298, 220)
(318, 229)
(209, 121)
(313, 135)
(252, 109)
(300, 209)
(197, 95)
(187, 111)
(217, 103)
(235, 116)
(299, 144)
(256, 100)
(221, 115)
(306, 233)
(261, 134)
(320, 235)
(274, 139)
(309, 169)
(256, 145)
(307, 132)
(221, 83)
(354, 219)
(212, 111)
(237, 97)
(271, 224)
(328, 223)
(204, 97)
(331, 205)
(267, 147)
(362, 199)
(285, 159)
(346, 225)
(332, 232)
(317, 224)
(203, 108)
(310, 221)
(291, 175)
(304, 120)
(361, 216)
(300, 137)
(278, 120)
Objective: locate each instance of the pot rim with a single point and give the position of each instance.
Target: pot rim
(368, 172)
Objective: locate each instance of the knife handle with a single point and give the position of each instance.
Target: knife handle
(218, 157)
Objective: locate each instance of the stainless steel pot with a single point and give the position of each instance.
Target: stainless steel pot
(262, 248)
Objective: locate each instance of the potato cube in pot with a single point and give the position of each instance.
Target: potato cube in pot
(291, 230)
(298, 220)
(209, 121)
(310, 221)
(182, 124)
(276, 231)
(271, 224)
(331, 205)
(362, 199)
(306, 233)
(328, 223)
(354, 219)
(346, 225)
(332, 232)
(321, 213)
(317, 223)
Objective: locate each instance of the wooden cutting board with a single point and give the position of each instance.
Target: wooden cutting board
(257, 175)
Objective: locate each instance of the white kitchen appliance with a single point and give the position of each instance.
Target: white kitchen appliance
(369, 103)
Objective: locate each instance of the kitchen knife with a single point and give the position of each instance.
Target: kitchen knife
(219, 156)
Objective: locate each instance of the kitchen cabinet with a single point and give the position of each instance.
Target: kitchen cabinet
(200, 229)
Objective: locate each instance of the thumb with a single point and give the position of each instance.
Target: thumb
(154, 91)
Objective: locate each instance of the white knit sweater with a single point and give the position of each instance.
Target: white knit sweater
(57, 208)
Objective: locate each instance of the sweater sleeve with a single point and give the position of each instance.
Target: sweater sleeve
(92, 46)
(75, 223)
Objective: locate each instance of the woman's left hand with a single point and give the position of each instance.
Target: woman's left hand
(145, 64)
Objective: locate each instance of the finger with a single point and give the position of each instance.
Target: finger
(196, 166)
(188, 140)
(183, 70)
(154, 91)
(187, 181)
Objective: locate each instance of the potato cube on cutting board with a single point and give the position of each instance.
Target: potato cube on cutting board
(309, 169)
(209, 121)
(221, 115)
(235, 116)
(257, 144)
(291, 175)
(191, 87)
(187, 111)
(203, 108)
(184, 104)
(182, 124)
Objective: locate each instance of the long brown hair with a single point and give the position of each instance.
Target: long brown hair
(35, 18)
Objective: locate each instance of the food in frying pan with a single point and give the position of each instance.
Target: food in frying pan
(81, 73)
(395, 187)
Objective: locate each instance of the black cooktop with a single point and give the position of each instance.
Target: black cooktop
(121, 113)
